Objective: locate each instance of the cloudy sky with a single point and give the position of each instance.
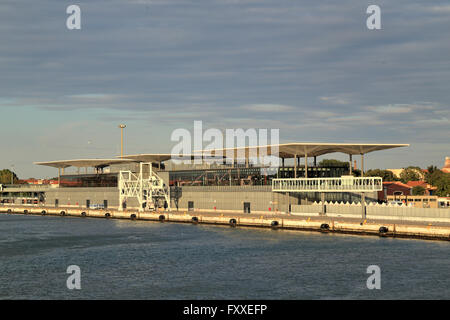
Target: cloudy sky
(310, 68)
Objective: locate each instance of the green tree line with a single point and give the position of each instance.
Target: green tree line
(434, 177)
(5, 176)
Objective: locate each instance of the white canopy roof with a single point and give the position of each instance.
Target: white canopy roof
(81, 163)
(286, 150)
(311, 149)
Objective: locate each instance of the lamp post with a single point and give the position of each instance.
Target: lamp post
(121, 126)
(12, 174)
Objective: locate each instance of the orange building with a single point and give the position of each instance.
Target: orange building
(393, 188)
(429, 189)
(446, 167)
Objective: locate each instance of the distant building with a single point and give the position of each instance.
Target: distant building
(393, 188)
(444, 202)
(417, 201)
(398, 172)
(154, 181)
(429, 189)
(34, 181)
(446, 167)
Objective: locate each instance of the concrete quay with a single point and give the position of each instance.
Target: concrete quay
(324, 224)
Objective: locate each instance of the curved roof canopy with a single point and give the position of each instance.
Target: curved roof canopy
(310, 149)
(286, 150)
(159, 157)
(149, 157)
(82, 163)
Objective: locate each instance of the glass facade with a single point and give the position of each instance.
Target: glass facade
(220, 177)
(89, 180)
(247, 176)
(313, 172)
(238, 176)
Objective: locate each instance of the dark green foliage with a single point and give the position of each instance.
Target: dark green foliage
(5, 176)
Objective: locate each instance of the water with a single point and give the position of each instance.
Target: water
(122, 259)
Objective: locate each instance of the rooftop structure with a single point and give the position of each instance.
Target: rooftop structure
(307, 149)
(83, 163)
(446, 167)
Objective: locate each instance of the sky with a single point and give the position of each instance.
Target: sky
(311, 69)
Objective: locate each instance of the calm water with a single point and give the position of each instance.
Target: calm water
(152, 260)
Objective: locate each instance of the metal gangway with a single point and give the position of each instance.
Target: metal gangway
(342, 184)
(146, 186)
(322, 185)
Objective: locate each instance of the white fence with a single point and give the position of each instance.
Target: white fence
(342, 184)
(373, 210)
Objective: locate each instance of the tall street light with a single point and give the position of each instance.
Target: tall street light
(121, 126)
(12, 174)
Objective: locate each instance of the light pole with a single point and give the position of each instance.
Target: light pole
(121, 126)
(12, 174)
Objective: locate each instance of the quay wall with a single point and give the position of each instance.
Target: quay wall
(229, 198)
(324, 224)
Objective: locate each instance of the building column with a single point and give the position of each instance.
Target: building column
(363, 205)
(59, 176)
(295, 166)
(289, 203)
(315, 161)
(362, 164)
(351, 164)
(322, 199)
(306, 165)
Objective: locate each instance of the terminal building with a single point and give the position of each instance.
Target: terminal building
(157, 182)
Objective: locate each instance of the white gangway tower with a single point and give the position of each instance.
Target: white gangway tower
(146, 186)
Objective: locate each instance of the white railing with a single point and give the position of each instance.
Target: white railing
(342, 184)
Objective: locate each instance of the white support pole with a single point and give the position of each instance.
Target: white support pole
(362, 165)
(322, 199)
(289, 203)
(306, 165)
(140, 189)
(351, 164)
(363, 205)
(295, 166)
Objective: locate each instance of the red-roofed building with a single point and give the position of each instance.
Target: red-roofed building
(393, 188)
(429, 189)
(38, 181)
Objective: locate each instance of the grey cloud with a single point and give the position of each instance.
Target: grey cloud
(311, 69)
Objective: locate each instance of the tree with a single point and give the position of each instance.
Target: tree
(432, 169)
(433, 176)
(418, 191)
(356, 173)
(443, 185)
(385, 174)
(410, 174)
(333, 163)
(441, 181)
(5, 176)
